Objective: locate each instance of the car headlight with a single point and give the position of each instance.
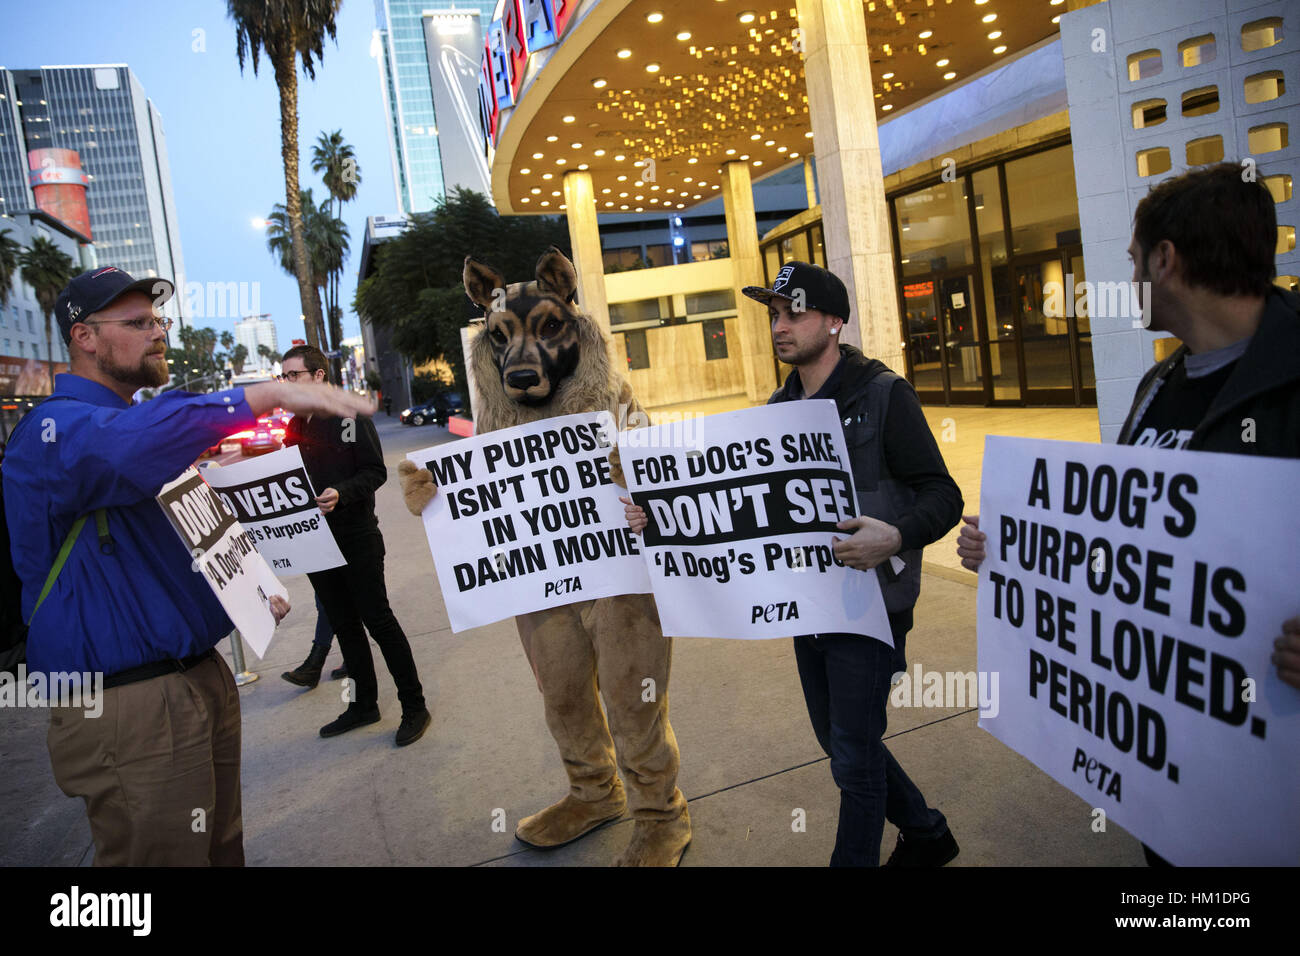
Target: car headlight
(406, 411)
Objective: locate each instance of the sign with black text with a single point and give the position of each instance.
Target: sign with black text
(1129, 603)
(272, 497)
(743, 509)
(527, 518)
(225, 554)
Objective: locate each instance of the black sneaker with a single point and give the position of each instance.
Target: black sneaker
(339, 672)
(351, 719)
(413, 727)
(924, 853)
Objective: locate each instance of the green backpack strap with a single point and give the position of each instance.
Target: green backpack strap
(101, 524)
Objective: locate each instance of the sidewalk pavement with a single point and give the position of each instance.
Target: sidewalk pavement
(749, 757)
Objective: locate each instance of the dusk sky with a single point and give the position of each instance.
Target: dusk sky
(223, 129)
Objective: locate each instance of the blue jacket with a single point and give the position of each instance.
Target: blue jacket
(82, 449)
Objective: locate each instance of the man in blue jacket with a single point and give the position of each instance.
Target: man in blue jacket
(158, 768)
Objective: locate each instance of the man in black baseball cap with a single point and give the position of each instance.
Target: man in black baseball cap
(906, 500)
(108, 298)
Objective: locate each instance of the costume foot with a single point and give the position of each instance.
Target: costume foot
(569, 819)
(657, 842)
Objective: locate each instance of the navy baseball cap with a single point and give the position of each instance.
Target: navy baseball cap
(99, 288)
(822, 290)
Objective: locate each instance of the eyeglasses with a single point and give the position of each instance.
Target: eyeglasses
(140, 325)
(293, 376)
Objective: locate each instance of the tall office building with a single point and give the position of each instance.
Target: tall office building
(413, 80)
(254, 331)
(101, 113)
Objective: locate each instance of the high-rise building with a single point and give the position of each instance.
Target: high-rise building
(253, 331)
(400, 44)
(102, 114)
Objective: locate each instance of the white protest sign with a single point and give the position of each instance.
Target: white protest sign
(272, 497)
(226, 554)
(742, 509)
(527, 518)
(1129, 603)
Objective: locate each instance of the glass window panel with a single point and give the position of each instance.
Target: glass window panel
(1207, 149)
(626, 313)
(718, 301)
(1044, 210)
(1045, 326)
(1149, 113)
(1279, 186)
(1153, 162)
(1263, 87)
(923, 335)
(638, 353)
(1267, 138)
(933, 228)
(1197, 50)
(1201, 101)
(1261, 34)
(818, 246)
(1144, 64)
(715, 339)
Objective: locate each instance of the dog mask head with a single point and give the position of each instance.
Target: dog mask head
(532, 326)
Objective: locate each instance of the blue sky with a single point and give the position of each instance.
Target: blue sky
(223, 129)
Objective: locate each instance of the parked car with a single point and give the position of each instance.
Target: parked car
(260, 440)
(436, 411)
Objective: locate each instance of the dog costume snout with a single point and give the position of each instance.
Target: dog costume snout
(523, 378)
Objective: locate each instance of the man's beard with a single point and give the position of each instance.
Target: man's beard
(805, 354)
(149, 373)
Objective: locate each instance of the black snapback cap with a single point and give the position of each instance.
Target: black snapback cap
(99, 288)
(822, 290)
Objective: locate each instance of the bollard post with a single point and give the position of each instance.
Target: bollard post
(242, 675)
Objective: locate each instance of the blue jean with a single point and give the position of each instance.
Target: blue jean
(324, 630)
(846, 681)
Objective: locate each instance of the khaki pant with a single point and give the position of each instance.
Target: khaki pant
(158, 769)
(608, 648)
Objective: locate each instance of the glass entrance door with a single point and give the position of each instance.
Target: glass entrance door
(943, 340)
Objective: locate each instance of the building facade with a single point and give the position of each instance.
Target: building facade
(103, 114)
(255, 330)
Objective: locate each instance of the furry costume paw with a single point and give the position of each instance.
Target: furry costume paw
(569, 819)
(418, 488)
(616, 468)
(657, 842)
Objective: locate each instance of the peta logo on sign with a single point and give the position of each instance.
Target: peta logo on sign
(782, 278)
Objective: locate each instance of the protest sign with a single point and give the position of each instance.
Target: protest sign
(527, 518)
(226, 555)
(1129, 603)
(272, 497)
(742, 509)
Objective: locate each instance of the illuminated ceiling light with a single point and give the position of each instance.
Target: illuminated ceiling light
(670, 190)
(654, 17)
(606, 190)
(556, 193)
(782, 149)
(525, 199)
(949, 75)
(622, 195)
(747, 17)
(1057, 3)
(808, 135)
(536, 190)
(583, 166)
(624, 54)
(640, 209)
(770, 142)
(757, 162)
(926, 34)
(887, 76)
(744, 156)
(552, 138)
(639, 197)
(687, 179)
(638, 184)
(887, 107)
(608, 204)
(684, 35)
(989, 17)
(624, 206)
(537, 155)
(569, 119)
(1056, 19)
(980, 3)
(998, 50)
(622, 179)
(692, 161)
(731, 152)
(561, 161)
(681, 205)
(654, 189)
(652, 67)
(563, 206)
(525, 171)
(619, 158)
(941, 63)
(995, 34)
(546, 202)
(756, 136)
(575, 146)
(696, 196)
(792, 156)
(599, 152)
(600, 83)
(548, 175)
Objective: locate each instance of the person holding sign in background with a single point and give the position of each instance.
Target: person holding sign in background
(906, 500)
(346, 466)
(108, 586)
(1202, 250)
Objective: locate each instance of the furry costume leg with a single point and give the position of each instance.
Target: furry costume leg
(563, 659)
(630, 647)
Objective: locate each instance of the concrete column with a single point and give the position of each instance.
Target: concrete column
(809, 181)
(855, 217)
(747, 269)
(584, 240)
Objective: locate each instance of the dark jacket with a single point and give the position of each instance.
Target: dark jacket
(354, 468)
(898, 473)
(1264, 387)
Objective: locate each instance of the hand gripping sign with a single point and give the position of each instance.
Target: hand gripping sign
(742, 509)
(273, 499)
(1129, 602)
(527, 518)
(225, 554)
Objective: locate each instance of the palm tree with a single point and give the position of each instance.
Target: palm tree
(47, 269)
(9, 250)
(238, 356)
(287, 30)
(326, 238)
(335, 160)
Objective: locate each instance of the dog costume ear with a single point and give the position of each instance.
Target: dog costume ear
(481, 282)
(555, 274)
(418, 488)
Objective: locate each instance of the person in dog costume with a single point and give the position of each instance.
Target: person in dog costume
(541, 357)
